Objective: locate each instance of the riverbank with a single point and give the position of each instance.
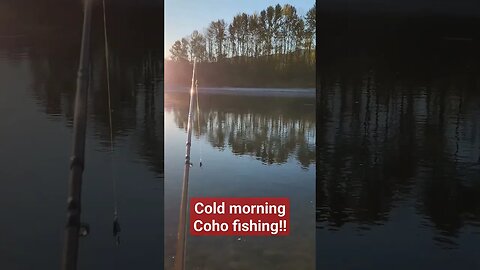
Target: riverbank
(241, 75)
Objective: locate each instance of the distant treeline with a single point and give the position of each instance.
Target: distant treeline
(134, 22)
(396, 39)
(275, 47)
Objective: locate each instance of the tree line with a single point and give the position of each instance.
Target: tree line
(277, 33)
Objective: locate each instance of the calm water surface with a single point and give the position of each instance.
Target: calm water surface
(37, 84)
(398, 175)
(253, 143)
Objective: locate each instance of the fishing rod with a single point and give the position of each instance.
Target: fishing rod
(74, 228)
(182, 239)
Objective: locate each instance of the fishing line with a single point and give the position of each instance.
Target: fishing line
(116, 224)
(198, 122)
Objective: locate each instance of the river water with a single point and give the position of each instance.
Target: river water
(253, 143)
(38, 65)
(398, 144)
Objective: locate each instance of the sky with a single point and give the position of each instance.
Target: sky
(184, 16)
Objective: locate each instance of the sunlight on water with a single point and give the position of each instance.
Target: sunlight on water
(251, 146)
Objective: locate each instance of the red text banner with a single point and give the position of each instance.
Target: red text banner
(240, 216)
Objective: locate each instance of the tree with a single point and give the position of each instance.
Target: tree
(255, 34)
(276, 31)
(244, 34)
(210, 35)
(274, 45)
(217, 33)
(198, 46)
(232, 35)
(179, 51)
(277, 34)
(310, 30)
(299, 34)
(266, 22)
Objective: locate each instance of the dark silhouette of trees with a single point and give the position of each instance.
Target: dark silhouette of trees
(278, 31)
(179, 50)
(277, 38)
(310, 31)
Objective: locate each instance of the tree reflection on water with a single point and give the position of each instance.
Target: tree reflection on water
(399, 124)
(271, 129)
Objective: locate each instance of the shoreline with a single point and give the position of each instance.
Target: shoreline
(255, 91)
